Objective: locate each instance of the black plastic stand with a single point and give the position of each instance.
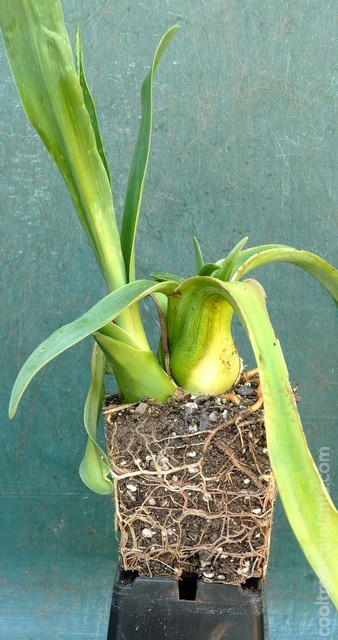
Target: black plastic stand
(153, 608)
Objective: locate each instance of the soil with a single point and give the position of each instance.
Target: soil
(194, 492)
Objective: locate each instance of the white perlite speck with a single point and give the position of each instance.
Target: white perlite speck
(132, 487)
(192, 428)
(208, 574)
(147, 533)
(191, 406)
(246, 567)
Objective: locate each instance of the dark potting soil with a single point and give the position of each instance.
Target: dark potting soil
(194, 492)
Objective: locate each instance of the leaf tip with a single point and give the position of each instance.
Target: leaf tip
(13, 405)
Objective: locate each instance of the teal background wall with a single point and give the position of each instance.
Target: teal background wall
(245, 143)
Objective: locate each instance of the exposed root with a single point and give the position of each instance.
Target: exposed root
(194, 489)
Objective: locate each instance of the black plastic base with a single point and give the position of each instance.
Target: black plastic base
(152, 608)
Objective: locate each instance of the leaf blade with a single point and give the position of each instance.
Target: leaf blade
(303, 493)
(321, 270)
(224, 271)
(94, 468)
(69, 335)
(89, 102)
(160, 276)
(139, 162)
(199, 260)
(247, 253)
(42, 65)
(137, 371)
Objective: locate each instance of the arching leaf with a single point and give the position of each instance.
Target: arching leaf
(70, 334)
(321, 270)
(306, 501)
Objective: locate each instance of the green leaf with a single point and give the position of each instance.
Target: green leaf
(163, 277)
(42, 64)
(198, 255)
(137, 372)
(324, 272)
(208, 269)
(306, 501)
(139, 163)
(107, 309)
(224, 272)
(89, 102)
(247, 253)
(114, 331)
(94, 468)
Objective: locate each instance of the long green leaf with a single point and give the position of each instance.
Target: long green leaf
(308, 506)
(42, 64)
(324, 272)
(139, 163)
(107, 309)
(94, 469)
(89, 101)
(247, 253)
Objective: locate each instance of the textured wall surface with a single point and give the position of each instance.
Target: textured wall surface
(245, 143)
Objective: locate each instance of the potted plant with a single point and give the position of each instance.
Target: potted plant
(202, 485)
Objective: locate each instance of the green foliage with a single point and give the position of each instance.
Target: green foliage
(43, 67)
(94, 468)
(89, 102)
(195, 314)
(89, 323)
(139, 162)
